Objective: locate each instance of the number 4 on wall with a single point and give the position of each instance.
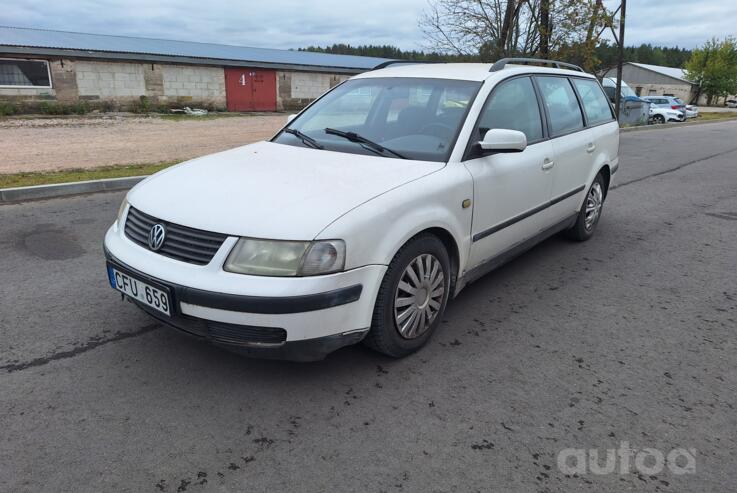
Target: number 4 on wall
(242, 79)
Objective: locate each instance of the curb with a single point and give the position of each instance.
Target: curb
(21, 194)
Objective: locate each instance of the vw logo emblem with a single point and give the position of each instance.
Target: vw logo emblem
(156, 236)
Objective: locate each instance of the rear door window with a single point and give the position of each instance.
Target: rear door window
(595, 103)
(564, 113)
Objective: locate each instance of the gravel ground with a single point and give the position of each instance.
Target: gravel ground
(51, 144)
(47, 144)
(626, 339)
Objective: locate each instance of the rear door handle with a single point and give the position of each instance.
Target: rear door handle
(547, 164)
(591, 147)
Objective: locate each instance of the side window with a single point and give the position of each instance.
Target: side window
(564, 113)
(595, 103)
(512, 105)
(24, 73)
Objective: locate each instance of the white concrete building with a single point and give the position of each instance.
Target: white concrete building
(655, 80)
(110, 72)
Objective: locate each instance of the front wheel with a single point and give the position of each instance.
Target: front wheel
(412, 297)
(588, 216)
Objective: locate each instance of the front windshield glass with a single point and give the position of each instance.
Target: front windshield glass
(407, 117)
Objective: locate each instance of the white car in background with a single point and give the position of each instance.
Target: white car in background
(664, 115)
(692, 111)
(368, 211)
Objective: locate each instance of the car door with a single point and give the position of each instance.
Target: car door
(573, 144)
(511, 190)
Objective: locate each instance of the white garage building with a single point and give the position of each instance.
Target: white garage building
(113, 72)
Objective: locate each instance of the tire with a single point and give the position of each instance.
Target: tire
(590, 213)
(391, 330)
(658, 119)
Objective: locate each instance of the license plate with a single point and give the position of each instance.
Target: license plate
(149, 295)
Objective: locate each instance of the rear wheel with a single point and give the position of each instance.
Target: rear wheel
(658, 119)
(412, 297)
(588, 216)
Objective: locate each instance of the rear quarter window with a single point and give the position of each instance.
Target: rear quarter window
(595, 103)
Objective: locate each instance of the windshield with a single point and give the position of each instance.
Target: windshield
(393, 117)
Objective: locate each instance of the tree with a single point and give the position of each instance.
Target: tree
(545, 28)
(496, 28)
(606, 55)
(486, 28)
(714, 68)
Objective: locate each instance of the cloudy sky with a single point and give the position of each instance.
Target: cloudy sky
(299, 23)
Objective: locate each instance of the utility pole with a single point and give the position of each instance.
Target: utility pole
(620, 58)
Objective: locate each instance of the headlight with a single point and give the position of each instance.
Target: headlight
(286, 258)
(121, 211)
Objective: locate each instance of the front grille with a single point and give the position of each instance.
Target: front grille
(181, 243)
(244, 334)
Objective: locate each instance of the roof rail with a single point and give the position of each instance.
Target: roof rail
(395, 62)
(500, 64)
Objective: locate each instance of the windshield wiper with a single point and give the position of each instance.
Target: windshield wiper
(369, 144)
(306, 139)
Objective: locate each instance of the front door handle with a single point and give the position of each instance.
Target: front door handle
(591, 147)
(547, 164)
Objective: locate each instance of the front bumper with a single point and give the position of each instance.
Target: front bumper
(286, 318)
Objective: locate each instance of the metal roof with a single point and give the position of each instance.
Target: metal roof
(675, 73)
(61, 43)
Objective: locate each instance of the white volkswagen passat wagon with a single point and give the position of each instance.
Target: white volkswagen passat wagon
(369, 210)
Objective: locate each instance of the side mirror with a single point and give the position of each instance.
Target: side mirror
(291, 117)
(503, 140)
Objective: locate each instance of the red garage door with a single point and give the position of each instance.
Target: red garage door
(250, 89)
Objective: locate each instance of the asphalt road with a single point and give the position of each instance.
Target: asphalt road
(629, 337)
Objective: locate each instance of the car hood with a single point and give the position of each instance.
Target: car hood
(268, 190)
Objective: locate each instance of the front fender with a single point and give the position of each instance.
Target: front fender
(377, 229)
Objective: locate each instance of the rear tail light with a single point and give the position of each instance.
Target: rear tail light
(674, 107)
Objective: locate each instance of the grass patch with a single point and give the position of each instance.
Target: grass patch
(714, 115)
(72, 175)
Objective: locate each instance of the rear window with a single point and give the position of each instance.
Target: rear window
(564, 113)
(595, 103)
